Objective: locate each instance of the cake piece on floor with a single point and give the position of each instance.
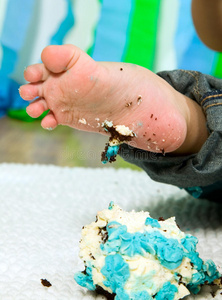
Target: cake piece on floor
(129, 255)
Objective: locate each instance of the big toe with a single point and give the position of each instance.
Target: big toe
(59, 58)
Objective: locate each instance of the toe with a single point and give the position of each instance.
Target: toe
(36, 108)
(58, 59)
(36, 73)
(49, 121)
(30, 91)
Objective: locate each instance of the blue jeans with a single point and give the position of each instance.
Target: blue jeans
(200, 174)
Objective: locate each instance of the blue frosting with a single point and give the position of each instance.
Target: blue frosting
(116, 270)
(85, 279)
(111, 152)
(189, 243)
(111, 204)
(121, 295)
(152, 222)
(167, 292)
(193, 288)
(143, 282)
(208, 273)
(195, 191)
(169, 251)
(210, 268)
(140, 296)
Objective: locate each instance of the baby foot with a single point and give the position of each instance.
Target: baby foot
(82, 94)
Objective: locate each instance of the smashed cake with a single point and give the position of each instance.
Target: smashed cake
(118, 135)
(129, 255)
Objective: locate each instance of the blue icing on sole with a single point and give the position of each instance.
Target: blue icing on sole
(111, 153)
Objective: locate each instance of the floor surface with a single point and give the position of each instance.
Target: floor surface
(28, 143)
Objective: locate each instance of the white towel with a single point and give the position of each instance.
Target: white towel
(42, 211)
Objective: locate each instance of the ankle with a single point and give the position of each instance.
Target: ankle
(197, 132)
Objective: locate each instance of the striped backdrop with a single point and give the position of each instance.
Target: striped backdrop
(156, 34)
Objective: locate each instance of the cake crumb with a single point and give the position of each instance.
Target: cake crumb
(129, 104)
(139, 99)
(82, 121)
(45, 282)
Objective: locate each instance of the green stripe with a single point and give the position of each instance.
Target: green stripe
(90, 49)
(141, 45)
(218, 68)
(21, 114)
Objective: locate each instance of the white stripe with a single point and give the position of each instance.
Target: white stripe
(86, 14)
(3, 5)
(165, 51)
(50, 16)
(46, 19)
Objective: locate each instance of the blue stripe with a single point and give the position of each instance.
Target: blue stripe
(198, 57)
(15, 26)
(111, 32)
(17, 19)
(185, 30)
(65, 26)
(191, 53)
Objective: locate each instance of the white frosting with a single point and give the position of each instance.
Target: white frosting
(82, 121)
(124, 130)
(121, 129)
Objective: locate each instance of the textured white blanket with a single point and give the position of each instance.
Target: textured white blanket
(42, 211)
